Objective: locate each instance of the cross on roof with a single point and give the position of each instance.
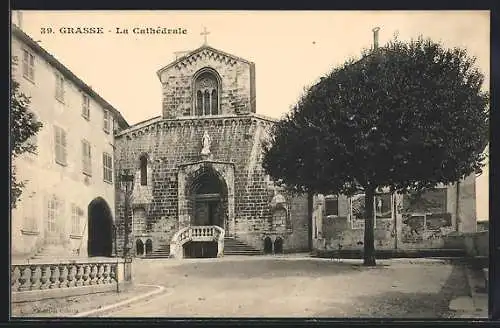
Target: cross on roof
(205, 33)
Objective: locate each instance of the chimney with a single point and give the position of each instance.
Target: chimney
(375, 37)
(19, 16)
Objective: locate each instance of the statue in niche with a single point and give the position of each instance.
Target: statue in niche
(205, 150)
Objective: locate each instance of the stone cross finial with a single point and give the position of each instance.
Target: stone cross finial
(205, 33)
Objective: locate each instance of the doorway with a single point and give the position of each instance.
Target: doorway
(100, 228)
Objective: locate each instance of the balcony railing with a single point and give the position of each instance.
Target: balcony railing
(196, 234)
(41, 280)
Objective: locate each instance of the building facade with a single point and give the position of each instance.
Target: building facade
(199, 164)
(69, 191)
(197, 173)
(410, 221)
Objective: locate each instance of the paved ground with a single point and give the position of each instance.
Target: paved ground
(74, 305)
(295, 287)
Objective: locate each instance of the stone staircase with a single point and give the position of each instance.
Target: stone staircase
(161, 252)
(52, 252)
(233, 246)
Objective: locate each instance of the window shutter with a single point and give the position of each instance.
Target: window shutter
(57, 143)
(63, 145)
(25, 63)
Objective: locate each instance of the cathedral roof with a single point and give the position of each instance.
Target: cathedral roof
(187, 57)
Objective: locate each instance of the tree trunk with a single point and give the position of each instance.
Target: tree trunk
(310, 217)
(369, 242)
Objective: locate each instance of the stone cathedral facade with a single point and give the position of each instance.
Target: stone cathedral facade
(198, 180)
(199, 163)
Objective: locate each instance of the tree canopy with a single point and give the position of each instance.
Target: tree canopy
(406, 116)
(23, 126)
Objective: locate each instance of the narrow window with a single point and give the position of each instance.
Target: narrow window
(59, 87)
(28, 65)
(199, 102)
(107, 121)
(86, 158)
(60, 145)
(52, 214)
(215, 105)
(144, 170)
(107, 167)
(206, 102)
(76, 219)
(86, 106)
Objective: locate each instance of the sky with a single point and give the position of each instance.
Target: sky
(291, 49)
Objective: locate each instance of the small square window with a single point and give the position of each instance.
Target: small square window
(331, 205)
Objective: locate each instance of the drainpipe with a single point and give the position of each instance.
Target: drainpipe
(457, 207)
(395, 213)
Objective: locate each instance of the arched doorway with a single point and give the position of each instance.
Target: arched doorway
(100, 228)
(139, 247)
(278, 246)
(268, 245)
(149, 246)
(208, 198)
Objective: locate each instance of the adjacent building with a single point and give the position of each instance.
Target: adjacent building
(70, 177)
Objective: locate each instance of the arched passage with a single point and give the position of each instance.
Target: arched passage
(139, 247)
(149, 246)
(207, 193)
(278, 246)
(268, 245)
(100, 228)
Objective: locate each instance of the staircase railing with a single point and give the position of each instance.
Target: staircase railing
(196, 233)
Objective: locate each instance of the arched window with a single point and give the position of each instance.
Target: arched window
(206, 91)
(215, 102)
(199, 103)
(206, 102)
(144, 170)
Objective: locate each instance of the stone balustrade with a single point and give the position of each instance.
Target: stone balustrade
(32, 277)
(196, 233)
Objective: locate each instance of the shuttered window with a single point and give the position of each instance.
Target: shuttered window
(86, 158)
(60, 145)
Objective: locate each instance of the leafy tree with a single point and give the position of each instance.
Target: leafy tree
(406, 116)
(23, 126)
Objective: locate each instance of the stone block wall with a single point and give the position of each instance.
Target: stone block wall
(236, 141)
(394, 232)
(236, 77)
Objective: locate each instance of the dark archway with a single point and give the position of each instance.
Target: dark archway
(139, 247)
(278, 246)
(207, 193)
(100, 228)
(149, 246)
(268, 246)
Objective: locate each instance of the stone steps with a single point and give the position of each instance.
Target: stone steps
(163, 251)
(235, 247)
(51, 252)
